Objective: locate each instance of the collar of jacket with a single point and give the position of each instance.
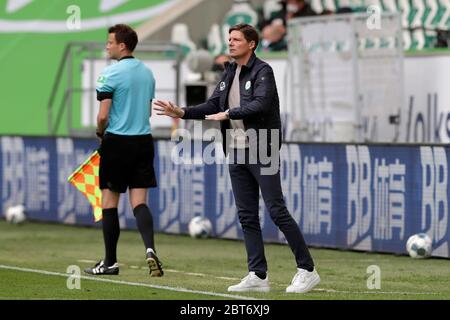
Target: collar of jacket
(249, 65)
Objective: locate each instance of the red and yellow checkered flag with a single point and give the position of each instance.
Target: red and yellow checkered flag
(86, 180)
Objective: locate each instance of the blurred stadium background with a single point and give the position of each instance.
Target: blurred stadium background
(365, 104)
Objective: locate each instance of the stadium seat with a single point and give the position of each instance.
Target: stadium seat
(216, 45)
(343, 4)
(316, 5)
(416, 24)
(358, 5)
(389, 6)
(444, 22)
(329, 5)
(419, 40)
(419, 12)
(405, 9)
(270, 8)
(374, 2)
(431, 12)
(241, 12)
(430, 22)
(180, 35)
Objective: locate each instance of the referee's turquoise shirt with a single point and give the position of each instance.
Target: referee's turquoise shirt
(131, 86)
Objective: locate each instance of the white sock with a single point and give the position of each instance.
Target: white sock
(150, 250)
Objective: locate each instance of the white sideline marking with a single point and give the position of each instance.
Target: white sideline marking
(195, 274)
(383, 292)
(227, 278)
(284, 285)
(172, 270)
(136, 284)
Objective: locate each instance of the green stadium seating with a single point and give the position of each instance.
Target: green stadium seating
(241, 12)
(420, 19)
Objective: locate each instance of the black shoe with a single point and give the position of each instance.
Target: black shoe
(155, 265)
(101, 269)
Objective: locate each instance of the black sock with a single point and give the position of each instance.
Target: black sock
(307, 268)
(144, 221)
(111, 232)
(261, 275)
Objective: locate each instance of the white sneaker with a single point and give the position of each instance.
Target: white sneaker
(251, 283)
(303, 281)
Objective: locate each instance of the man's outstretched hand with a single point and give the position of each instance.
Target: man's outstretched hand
(167, 108)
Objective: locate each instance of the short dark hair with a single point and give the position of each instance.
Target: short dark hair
(249, 32)
(125, 34)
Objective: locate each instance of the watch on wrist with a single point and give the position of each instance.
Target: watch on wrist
(99, 134)
(227, 112)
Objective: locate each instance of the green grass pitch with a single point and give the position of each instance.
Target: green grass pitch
(34, 258)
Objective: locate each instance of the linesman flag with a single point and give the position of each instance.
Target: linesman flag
(86, 180)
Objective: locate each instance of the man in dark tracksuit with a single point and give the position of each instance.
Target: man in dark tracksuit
(246, 99)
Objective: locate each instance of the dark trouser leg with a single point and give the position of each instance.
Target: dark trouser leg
(246, 194)
(273, 197)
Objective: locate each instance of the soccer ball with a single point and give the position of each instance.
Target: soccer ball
(16, 214)
(419, 246)
(200, 227)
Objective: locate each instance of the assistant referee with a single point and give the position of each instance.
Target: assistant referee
(125, 91)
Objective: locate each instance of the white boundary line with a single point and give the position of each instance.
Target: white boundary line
(279, 284)
(136, 284)
(179, 289)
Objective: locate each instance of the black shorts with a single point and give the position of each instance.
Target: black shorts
(127, 162)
